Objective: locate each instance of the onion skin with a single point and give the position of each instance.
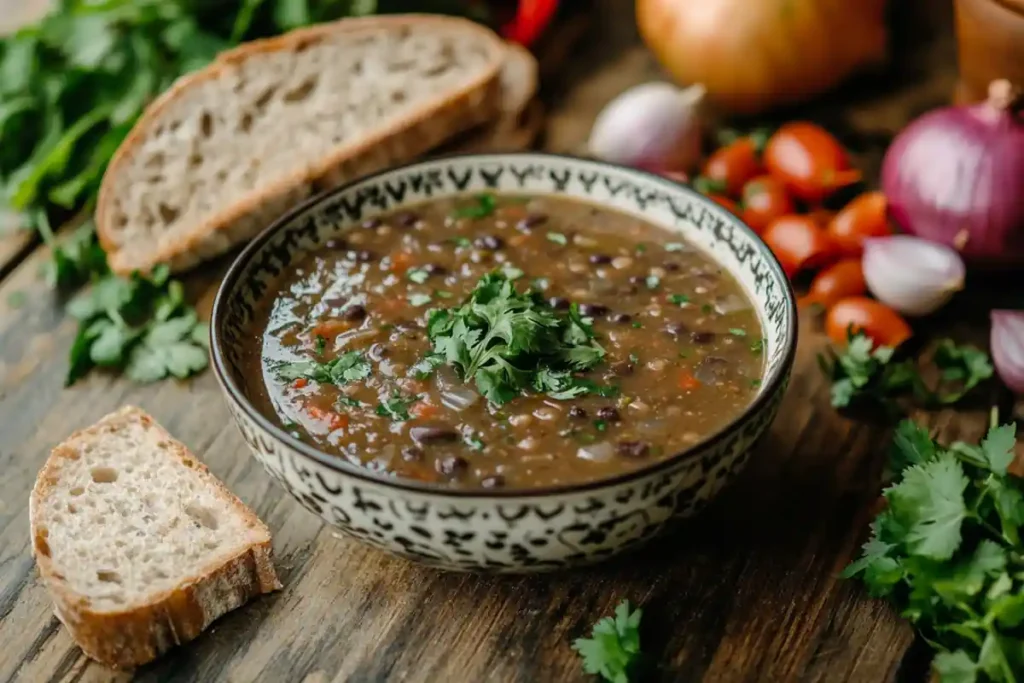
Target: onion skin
(754, 56)
(956, 176)
(1007, 343)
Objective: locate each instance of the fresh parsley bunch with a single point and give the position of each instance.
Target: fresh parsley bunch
(947, 552)
(613, 649)
(509, 342)
(865, 374)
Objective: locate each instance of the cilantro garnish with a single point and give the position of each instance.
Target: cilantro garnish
(708, 186)
(678, 299)
(424, 368)
(485, 206)
(396, 407)
(348, 367)
(350, 402)
(320, 344)
(865, 373)
(757, 346)
(138, 324)
(419, 299)
(509, 342)
(558, 238)
(511, 272)
(417, 275)
(463, 242)
(946, 551)
(737, 332)
(613, 649)
(707, 309)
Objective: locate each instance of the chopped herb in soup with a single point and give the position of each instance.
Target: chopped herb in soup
(499, 341)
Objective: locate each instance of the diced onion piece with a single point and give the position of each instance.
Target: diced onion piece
(597, 452)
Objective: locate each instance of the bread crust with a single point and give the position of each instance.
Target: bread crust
(476, 102)
(138, 633)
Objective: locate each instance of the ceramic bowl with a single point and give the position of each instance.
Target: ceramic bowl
(505, 530)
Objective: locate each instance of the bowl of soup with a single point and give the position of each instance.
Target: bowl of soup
(508, 362)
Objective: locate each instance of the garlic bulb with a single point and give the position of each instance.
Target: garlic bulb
(655, 126)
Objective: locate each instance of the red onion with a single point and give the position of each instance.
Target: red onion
(910, 274)
(1008, 348)
(956, 176)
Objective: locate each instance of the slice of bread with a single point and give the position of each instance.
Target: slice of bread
(139, 545)
(231, 147)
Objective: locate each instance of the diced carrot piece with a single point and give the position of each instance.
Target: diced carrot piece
(513, 212)
(423, 410)
(339, 421)
(300, 383)
(688, 382)
(329, 329)
(401, 261)
(334, 420)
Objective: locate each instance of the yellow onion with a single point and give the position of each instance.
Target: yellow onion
(752, 55)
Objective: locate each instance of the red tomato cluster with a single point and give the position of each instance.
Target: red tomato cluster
(776, 185)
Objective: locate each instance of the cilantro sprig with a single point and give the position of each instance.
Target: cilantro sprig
(947, 552)
(348, 367)
(138, 324)
(613, 649)
(509, 342)
(863, 373)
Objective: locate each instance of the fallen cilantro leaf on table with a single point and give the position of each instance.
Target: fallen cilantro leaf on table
(946, 552)
(865, 374)
(613, 649)
(138, 324)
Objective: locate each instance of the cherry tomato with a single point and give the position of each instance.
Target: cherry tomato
(861, 314)
(764, 200)
(862, 218)
(838, 281)
(809, 161)
(798, 243)
(733, 165)
(726, 202)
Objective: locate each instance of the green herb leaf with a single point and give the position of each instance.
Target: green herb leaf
(396, 407)
(509, 342)
(613, 649)
(558, 238)
(737, 332)
(485, 205)
(417, 275)
(351, 366)
(419, 299)
(678, 299)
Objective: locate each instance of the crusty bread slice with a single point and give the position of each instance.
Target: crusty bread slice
(139, 545)
(229, 148)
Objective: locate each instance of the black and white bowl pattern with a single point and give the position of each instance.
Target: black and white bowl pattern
(505, 531)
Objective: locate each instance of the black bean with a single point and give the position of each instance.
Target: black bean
(488, 242)
(434, 269)
(600, 259)
(372, 223)
(676, 329)
(423, 435)
(592, 310)
(670, 266)
(702, 337)
(451, 465)
(578, 412)
(412, 454)
(407, 219)
(559, 303)
(621, 318)
(354, 312)
(531, 221)
(633, 449)
(493, 482)
(378, 352)
(336, 244)
(636, 279)
(609, 413)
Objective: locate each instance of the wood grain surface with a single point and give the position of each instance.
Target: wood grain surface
(747, 592)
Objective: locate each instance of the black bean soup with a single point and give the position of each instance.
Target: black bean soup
(507, 341)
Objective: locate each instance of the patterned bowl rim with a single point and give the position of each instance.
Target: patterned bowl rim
(235, 393)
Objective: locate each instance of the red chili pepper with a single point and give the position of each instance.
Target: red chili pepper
(532, 17)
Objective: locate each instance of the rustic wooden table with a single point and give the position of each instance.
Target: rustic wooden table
(747, 592)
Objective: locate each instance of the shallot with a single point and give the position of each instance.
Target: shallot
(956, 176)
(1007, 342)
(655, 126)
(912, 275)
